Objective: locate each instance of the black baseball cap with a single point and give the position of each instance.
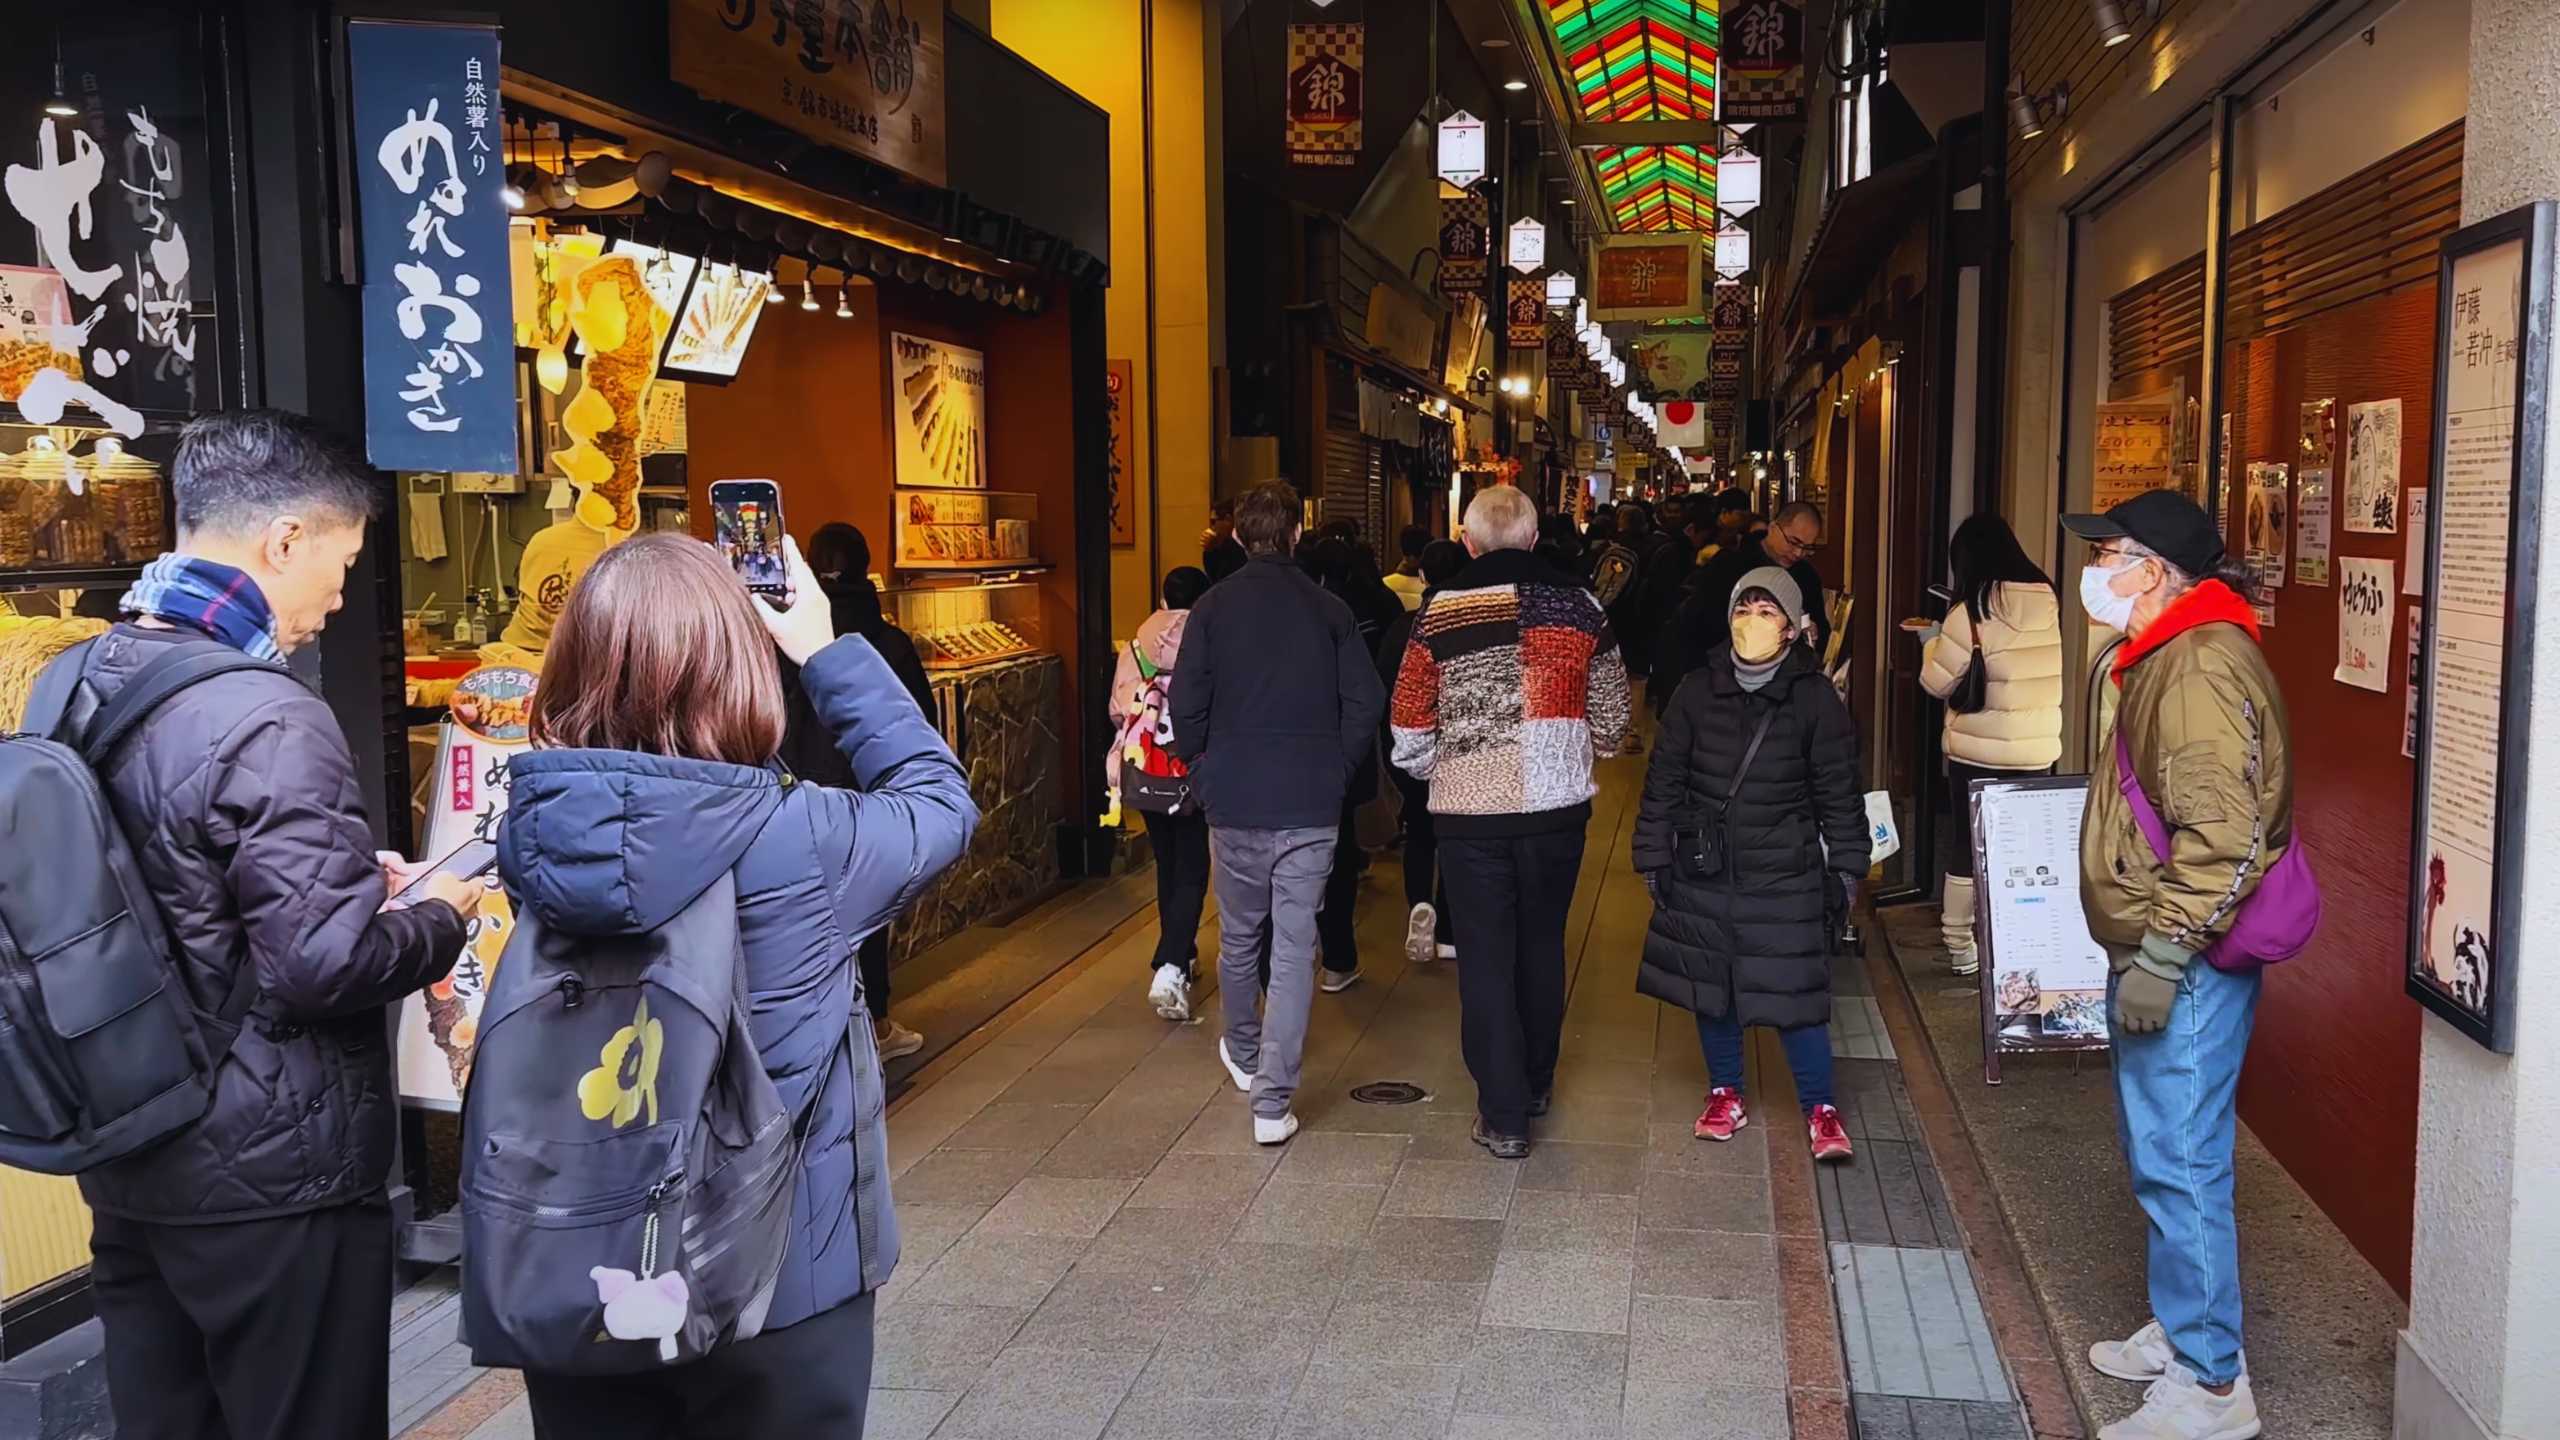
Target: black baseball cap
(2163, 522)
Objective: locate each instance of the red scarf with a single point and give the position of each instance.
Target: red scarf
(2208, 603)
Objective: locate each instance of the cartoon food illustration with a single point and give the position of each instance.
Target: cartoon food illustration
(453, 1003)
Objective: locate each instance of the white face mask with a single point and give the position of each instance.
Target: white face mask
(2098, 597)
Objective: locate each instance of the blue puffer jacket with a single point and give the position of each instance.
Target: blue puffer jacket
(605, 841)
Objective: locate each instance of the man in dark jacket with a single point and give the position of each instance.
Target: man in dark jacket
(242, 1269)
(1275, 705)
(1790, 543)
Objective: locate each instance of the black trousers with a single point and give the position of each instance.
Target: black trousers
(812, 1380)
(1422, 852)
(1511, 894)
(252, 1330)
(1960, 778)
(1181, 843)
(1336, 935)
(874, 958)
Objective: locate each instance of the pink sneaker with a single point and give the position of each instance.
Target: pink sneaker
(1725, 1115)
(1830, 1137)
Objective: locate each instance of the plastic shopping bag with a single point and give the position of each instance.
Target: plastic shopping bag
(1884, 840)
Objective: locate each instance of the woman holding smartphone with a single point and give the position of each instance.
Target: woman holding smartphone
(652, 773)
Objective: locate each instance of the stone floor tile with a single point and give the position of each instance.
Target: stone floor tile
(1432, 1247)
(1674, 1148)
(1096, 1150)
(1668, 1337)
(1053, 1082)
(1200, 1181)
(1290, 1213)
(1543, 1374)
(1912, 1326)
(1194, 1419)
(1275, 1284)
(1106, 1310)
(964, 1177)
(1589, 1076)
(925, 1231)
(1513, 1427)
(1679, 1410)
(1583, 1167)
(1044, 1205)
(1456, 1189)
(1030, 1393)
(1704, 1202)
(1342, 1158)
(1160, 1240)
(1368, 1401)
(940, 1347)
(1224, 1126)
(1004, 1126)
(1557, 1220)
(1706, 1265)
(991, 1268)
(906, 1414)
(1561, 1290)
(1401, 1322)
(1240, 1358)
(1595, 1118)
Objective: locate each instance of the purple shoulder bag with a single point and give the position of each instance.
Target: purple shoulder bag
(2276, 921)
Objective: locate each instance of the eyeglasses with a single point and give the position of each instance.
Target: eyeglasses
(1809, 547)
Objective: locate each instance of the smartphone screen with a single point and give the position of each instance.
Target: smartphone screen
(746, 523)
(468, 861)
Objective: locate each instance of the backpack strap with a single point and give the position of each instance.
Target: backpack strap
(56, 684)
(158, 682)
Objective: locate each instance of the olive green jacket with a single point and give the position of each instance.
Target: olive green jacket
(2205, 725)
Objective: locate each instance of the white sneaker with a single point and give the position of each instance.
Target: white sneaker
(1448, 952)
(1417, 934)
(2177, 1408)
(895, 1040)
(1242, 1076)
(1171, 993)
(1337, 981)
(2141, 1357)
(1274, 1132)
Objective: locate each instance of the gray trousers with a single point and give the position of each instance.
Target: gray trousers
(1270, 885)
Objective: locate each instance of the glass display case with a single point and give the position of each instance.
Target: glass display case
(966, 530)
(80, 498)
(962, 625)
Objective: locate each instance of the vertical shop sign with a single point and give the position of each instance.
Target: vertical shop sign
(1762, 64)
(1463, 219)
(1324, 93)
(861, 75)
(1645, 277)
(439, 362)
(1528, 310)
(1737, 182)
(1733, 251)
(1462, 149)
(1528, 248)
(1560, 288)
(1122, 382)
(2135, 449)
(1671, 365)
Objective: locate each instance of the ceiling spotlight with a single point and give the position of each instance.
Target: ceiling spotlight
(1569, 200)
(2030, 114)
(1515, 84)
(772, 291)
(2116, 20)
(808, 296)
(844, 307)
(60, 104)
(511, 197)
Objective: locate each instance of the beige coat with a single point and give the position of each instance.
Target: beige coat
(2019, 726)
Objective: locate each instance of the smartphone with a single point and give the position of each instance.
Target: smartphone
(746, 523)
(467, 861)
(1945, 595)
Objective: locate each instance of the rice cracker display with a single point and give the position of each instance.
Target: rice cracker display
(939, 407)
(622, 326)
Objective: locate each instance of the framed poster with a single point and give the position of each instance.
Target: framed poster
(938, 409)
(2044, 979)
(1645, 277)
(2483, 557)
(871, 85)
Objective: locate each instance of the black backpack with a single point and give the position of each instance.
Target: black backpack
(102, 1052)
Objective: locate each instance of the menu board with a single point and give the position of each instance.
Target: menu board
(2462, 920)
(2045, 979)
(710, 336)
(938, 406)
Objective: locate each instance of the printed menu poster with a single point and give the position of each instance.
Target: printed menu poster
(2134, 449)
(2466, 644)
(2373, 468)
(2311, 527)
(938, 406)
(2270, 526)
(2049, 977)
(2413, 574)
(2365, 603)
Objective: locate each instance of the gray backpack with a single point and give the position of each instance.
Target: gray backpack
(627, 1165)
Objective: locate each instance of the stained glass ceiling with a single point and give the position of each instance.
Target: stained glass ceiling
(1644, 60)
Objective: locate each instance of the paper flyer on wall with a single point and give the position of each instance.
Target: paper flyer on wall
(2365, 602)
(2311, 527)
(2373, 468)
(2413, 565)
(2269, 534)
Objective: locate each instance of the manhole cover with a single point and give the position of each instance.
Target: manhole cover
(1390, 1092)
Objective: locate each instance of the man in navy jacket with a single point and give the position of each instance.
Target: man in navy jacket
(1276, 703)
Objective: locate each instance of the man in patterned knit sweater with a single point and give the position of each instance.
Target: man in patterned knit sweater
(1510, 687)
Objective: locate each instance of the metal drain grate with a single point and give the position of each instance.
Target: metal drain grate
(1390, 1092)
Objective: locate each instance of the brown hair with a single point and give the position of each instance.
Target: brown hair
(1267, 516)
(659, 650)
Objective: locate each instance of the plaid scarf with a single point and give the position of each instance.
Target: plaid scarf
(210, 597)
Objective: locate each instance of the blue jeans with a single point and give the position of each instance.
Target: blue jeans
(2174, 1097)
(1808, 1050)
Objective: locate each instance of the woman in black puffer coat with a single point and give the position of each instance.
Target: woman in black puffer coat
(1747, 941)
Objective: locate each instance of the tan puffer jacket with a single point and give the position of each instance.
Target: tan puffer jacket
(2019, 726)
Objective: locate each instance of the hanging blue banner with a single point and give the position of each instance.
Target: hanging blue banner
(439, 341)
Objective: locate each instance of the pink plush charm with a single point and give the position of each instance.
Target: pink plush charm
(637, 1309)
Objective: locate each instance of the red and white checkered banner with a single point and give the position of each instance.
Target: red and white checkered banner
(1528, 310)
(1324, 93)
(1463, 220)
(1762, 66)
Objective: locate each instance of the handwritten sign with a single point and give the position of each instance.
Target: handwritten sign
(861, 75)
(439, 360)
(2135, 446)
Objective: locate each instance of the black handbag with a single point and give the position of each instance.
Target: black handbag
(1701, 849)
(1974, 690)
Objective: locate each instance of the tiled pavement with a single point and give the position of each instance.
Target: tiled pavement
(1094, 1247)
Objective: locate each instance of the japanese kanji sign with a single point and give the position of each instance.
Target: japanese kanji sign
(1645, 277)
(439, 358)
(1528, 310)
(1762, 62)
(1324, 94)
(861, 75)
(1462, 243)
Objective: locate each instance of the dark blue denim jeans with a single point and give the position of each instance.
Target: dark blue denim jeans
(1808, 1050)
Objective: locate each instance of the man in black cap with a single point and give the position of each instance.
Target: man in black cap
(2200, 739)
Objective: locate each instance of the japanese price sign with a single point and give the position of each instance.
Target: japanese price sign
(439, 363)
(861, 75)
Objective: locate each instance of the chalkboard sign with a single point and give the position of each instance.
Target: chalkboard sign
(2044, 980)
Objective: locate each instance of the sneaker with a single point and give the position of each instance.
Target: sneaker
(895, 1040)
(1504, 1147)
(1725, 1115)
(1334, 982)
(1830, 1137)
(1448, 951)
(1967, 962)
(2177, 1408)
(1242, 1076)
(1274, 1132)
(1171, 993)
(2141, 1357)
(1418, 930)
(1542, 1102)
